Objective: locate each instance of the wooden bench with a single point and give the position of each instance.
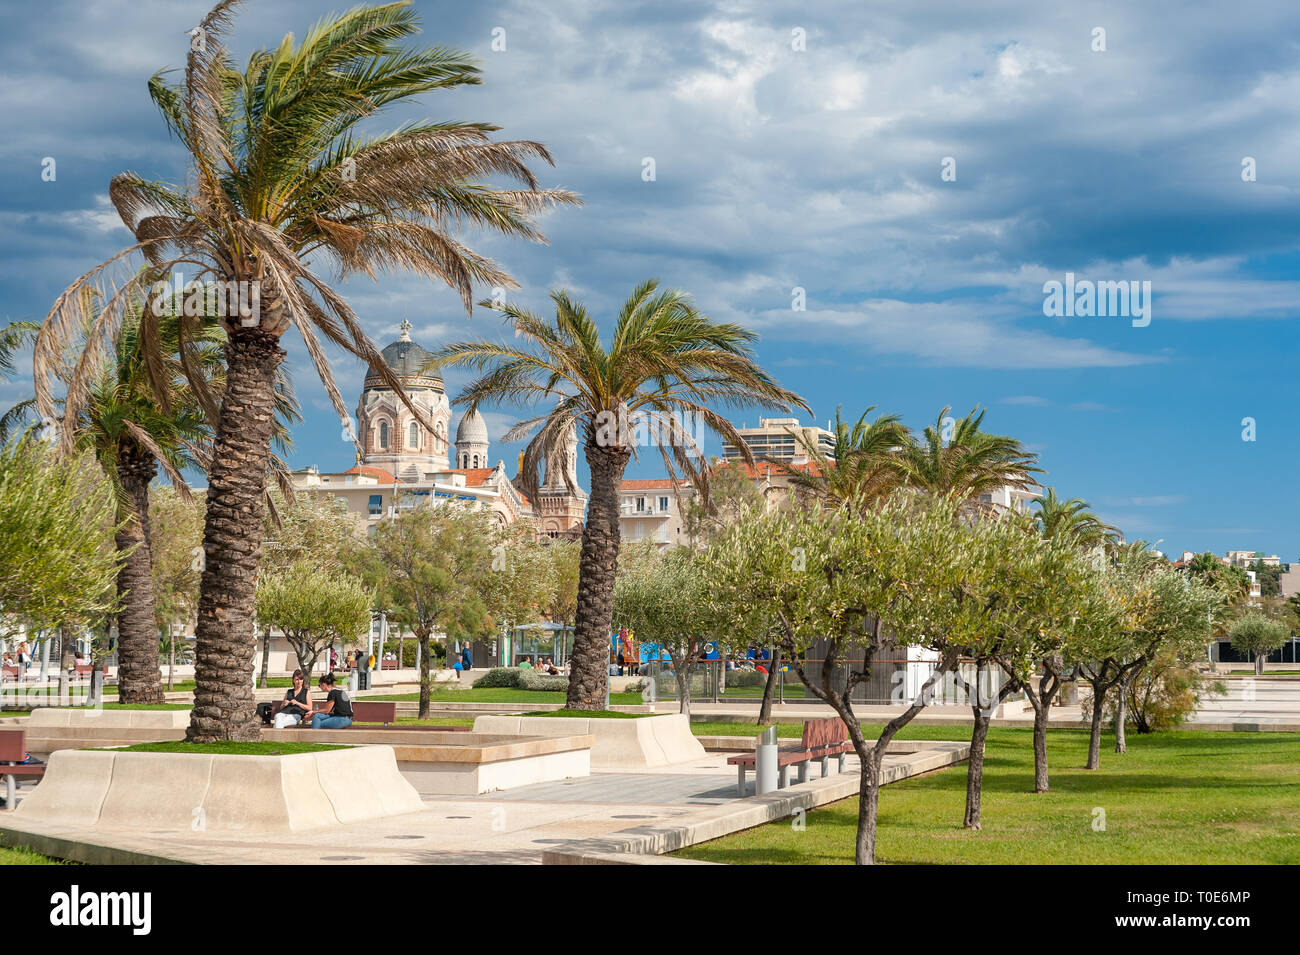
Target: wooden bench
(388, 664)
(13, 749)
(821, 740)
(367, 711)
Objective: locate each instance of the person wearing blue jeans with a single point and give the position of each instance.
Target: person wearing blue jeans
(337, 711)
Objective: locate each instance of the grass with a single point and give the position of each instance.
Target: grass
(431, 721)
(783, 730)
(229, 748)
(180, 686)
(27, 857)
(498, 695)
(1176, 798)
(148, 706)
(592, 714)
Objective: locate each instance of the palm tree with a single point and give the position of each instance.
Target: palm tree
(664, 362)
(1058, 519)
(13, 337)
(969, 464)
(133, 432)
(863, 463)
(280, 181)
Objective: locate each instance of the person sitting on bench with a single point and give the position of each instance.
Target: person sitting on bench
(337, 711)
(297, 702)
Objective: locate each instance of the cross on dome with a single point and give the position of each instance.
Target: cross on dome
(406, 330)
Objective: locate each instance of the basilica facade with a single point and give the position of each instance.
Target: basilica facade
(403, 463)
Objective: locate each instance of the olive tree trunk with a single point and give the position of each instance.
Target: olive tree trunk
(426, 650)
(1121, 716)
(1094, 737)
(597, 565)
(765, 709)
(266, 658)
(65, 663)
(975, 768)
(139, 678)
(225, 644)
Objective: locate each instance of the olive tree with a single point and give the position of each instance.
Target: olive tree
(58, 567)
(432, 565)
(313, 608)
(838, 575)
(668, 600)
(1257, 635)
(1028, 594)
(1157, 608)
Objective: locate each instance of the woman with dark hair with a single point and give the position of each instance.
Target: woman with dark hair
(336, 714)
(297, 702)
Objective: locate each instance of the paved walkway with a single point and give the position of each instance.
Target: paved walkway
(512, 827)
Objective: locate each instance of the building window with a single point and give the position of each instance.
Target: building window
(376, 505)
(383, 435)
(663, 504)
(415, 435)
(640, 505)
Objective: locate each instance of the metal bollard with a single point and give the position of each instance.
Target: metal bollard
(354, 681)
(765, 763)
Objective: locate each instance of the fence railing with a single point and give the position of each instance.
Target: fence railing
(891, 682)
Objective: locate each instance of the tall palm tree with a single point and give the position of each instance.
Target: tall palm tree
(1058, 519)
(133, 432)
(863, 463)
(969, 463)
(664, 361)
(281, 181)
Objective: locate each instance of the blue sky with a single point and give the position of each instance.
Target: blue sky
(820, 168)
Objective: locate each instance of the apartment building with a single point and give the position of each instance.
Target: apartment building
(775, 438)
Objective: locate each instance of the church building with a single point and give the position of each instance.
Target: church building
(403, 464)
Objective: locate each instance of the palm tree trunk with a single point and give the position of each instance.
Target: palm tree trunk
(139, 677)
(597, 565)
(225, 644)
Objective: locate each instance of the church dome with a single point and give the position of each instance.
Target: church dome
(472, 429)
(406, 357)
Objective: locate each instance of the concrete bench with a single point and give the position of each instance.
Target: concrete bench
(821, 740)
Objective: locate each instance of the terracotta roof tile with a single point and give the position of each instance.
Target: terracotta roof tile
(369, 470)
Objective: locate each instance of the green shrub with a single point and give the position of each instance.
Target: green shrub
(1163, 694)
(532, 680)
(746, 678)
(500, 678)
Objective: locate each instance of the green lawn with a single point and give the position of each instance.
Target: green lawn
(783, 730)
(180, 686)
(228, 748)
(1185, 797)
(431, 721)
(26, 857)
(497, 695)
(592, 714)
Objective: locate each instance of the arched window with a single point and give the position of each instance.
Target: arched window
(383, 434)
(415, 435)
(475, 461)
